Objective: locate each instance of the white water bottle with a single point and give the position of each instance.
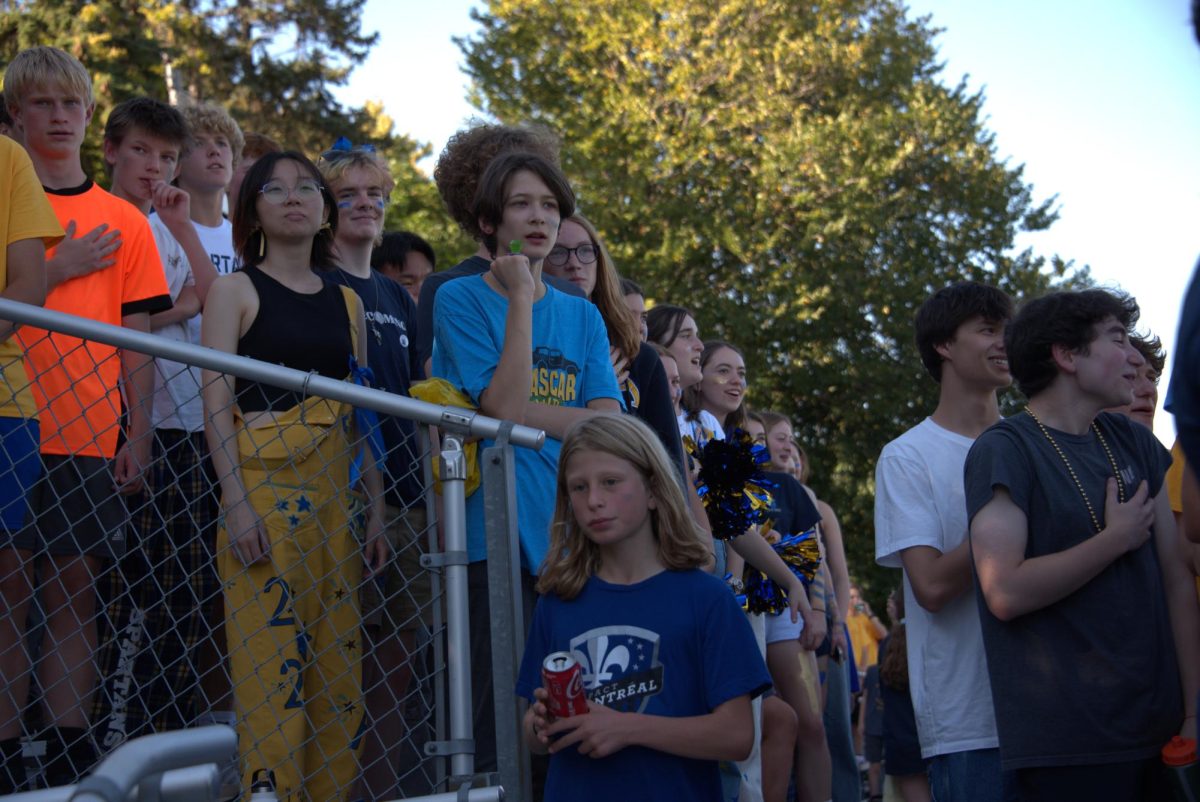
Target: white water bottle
(262, 787)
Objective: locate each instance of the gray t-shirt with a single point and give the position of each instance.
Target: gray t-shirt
(1092, 678)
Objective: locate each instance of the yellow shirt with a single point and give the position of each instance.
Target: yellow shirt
(1175, 478)
(1174, 483)
(25, 213)
(863, 640)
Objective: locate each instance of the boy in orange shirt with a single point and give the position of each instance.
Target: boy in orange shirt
(113, 275)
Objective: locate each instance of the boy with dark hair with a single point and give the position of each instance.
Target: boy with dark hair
(79, 521)
(27, 227)
(406, 259)
(1145, 386)
(525, 352)
(155, 601)
(459, 168)
(921, 526)
(1088, 613)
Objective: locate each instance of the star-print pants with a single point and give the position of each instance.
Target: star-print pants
(292, 623)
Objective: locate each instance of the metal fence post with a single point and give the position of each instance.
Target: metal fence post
(437, 624)
(507, 608)
(461, 746)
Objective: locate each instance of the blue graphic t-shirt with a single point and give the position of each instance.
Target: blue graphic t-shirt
(676, 645)
(571, 367)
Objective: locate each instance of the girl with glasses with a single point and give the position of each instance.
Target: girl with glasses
(286, 554)
(581, 258)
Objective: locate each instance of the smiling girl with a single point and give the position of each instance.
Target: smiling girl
(721, 391)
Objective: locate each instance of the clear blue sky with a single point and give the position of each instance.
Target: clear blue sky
(1099, 100)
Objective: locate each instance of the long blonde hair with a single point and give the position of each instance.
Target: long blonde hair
(572, 557)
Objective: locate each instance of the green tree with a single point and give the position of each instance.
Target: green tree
(110, 37)
(415, 204)
(795, 172)
(272, 64)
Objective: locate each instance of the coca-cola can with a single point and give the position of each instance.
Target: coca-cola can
(563, 678)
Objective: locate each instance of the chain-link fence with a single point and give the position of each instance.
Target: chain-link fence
(136, 603)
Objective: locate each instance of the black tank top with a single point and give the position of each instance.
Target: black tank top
(309, 332)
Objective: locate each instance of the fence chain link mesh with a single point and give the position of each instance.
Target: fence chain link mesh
(330, 674)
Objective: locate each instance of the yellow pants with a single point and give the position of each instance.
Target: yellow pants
(292, 623)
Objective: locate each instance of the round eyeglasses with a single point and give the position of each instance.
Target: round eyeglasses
(276, 192)
(559, 256)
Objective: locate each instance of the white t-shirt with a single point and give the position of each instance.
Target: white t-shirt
(919, 501)
(702, 430)
(218, 241)
(176, 402)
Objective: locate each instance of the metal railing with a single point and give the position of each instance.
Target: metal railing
(442, 633)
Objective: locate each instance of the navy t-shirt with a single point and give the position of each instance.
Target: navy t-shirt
(392, 357)
(675, 644)
(792, 510)
(1092, 678)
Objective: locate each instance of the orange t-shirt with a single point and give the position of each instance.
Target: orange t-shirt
(75, 383)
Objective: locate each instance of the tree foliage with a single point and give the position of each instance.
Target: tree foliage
(272, 63)
(796, 173)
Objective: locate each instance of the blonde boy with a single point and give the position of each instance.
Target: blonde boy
(111, 274)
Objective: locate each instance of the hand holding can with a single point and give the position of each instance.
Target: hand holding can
(562, 677)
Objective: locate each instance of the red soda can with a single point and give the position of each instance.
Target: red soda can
(563, 679)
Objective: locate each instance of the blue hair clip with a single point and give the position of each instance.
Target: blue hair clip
(344, 145)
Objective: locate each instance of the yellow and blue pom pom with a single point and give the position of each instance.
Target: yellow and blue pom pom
(802, 555)
(735, 491)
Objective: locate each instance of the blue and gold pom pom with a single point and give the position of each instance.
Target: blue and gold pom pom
(802, 555)
(731, 484)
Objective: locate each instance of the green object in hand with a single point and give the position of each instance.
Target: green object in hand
(514, 246)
